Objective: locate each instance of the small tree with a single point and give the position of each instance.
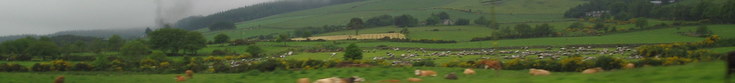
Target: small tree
(283, 38)
(221, 38)
(443, 16)
(352, 52)
(356, 24)
(641, 23)
(404, 31)
(462, 21)
(482, 21)
(135, 50)
(255, 51)
(433, 20)
(115, 42)
(703, 31)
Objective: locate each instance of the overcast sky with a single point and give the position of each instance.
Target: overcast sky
(49, 16)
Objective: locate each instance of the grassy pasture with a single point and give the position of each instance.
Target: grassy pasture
(704, 72)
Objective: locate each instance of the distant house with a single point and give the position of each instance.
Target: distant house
(447, 22)
(596, 13)
(659, 2)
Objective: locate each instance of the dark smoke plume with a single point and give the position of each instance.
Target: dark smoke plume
(169, 11)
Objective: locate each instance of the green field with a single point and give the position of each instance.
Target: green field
(702, 72)
(509, 11)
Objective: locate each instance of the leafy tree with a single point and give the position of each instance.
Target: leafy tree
(159, 56)
(283, 38)
(641, 23)
(194, 41)
(171, 40)
(356, 24)
(523, 30)
(462, 21)
(443, 16)
(255, 51)
(544, 30)
(383, 20)
(703, 31)
(352, 52)
(221, 38)
(433, 20)
(404, 31)
(727, 12)
(115, 42)
(482, 21)
(43, 49)
(222, 26)
(135, 50)
(406, 21)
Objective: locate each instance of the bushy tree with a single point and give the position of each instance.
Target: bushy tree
(134, 50)
(221, 38)
(482, 21)
(114, 42)
(443, 16)
(43, 49)
(352, 52)
(462, 21)
(172, 41)
(356, 24)
(433, 20)
(382, 20)
(544, 30)
(255, 51)
(406, 21)
(641, 23)
(703, 31)
(404, 31)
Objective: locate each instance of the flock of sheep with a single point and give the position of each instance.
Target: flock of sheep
(489, 64)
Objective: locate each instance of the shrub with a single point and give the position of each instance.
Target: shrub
(159, 56)
(82, 66)
(650, 61)
(60, 65)
(676, 61)
(118, 65)
(516, 64)
(13, 67)
(40, 67)
(3, 67)
(77, 58)
(428, 63)
(705, 55)
(148, 64)
(607, 62)
(547, 64)
(573, 64)
(219, 67)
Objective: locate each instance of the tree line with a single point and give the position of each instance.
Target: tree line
(254, 12)
(701, 10)
(520, 31)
